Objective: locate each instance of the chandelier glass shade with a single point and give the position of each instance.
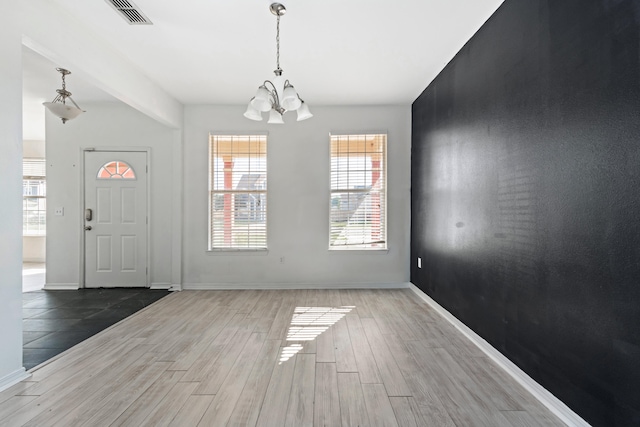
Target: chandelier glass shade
(276, 96)
(59, 106)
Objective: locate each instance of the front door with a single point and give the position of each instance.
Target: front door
(115, 219)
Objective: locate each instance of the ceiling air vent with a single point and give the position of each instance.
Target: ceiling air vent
(130, 12)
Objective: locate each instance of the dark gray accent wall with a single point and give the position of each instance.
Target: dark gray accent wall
(526, 196)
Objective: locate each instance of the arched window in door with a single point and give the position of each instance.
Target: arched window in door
(116, 169)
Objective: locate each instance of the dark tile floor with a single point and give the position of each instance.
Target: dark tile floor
(54, 321)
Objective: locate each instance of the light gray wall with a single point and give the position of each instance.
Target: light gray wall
(298, 200)
(298, 156)
(106, 125)
(11, 197)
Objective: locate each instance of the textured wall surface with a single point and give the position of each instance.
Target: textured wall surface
(526, 196)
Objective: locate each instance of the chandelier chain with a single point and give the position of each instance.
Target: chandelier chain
(278, 43)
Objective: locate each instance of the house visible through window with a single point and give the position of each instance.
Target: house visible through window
(237, 192)
(358, 192)
(34, 202)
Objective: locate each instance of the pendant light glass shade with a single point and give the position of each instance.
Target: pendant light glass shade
(64, 111)
(261, 101)
(252, 113)
(303, 112)
(59, 106)
(277, 95)
(275, 118)
(290, 99)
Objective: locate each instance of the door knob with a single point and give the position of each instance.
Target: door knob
(87, 227)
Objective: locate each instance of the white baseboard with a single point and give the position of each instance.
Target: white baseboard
(554, 404)
(171, 287)
(34, 260)
(13, 378)
(61, 286)
(296, 285)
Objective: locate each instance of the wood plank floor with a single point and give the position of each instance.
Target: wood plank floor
(275, 358)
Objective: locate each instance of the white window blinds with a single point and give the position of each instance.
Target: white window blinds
(237, 191)
(34, 200)
(33, 168)
(358, 192)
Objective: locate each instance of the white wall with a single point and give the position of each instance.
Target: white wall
(298, 200)
(106, 125)
(11, 196)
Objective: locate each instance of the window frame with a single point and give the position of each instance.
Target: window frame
(43, 182)
(383, 246)
(261, 138)
(125, 176)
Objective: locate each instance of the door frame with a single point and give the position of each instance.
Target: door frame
(83, 151)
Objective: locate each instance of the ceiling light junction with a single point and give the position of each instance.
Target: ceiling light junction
(59, 105)
(278, 95)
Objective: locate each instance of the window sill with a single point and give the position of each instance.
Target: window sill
(237, 252)
(359, 251)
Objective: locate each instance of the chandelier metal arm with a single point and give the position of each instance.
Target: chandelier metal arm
(274, 95)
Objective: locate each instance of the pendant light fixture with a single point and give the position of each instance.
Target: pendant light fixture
(59, 105)
(277, 96)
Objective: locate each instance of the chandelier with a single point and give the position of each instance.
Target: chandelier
(278, 95)
(59, 105)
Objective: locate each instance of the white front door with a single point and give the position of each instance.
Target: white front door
(115, 219)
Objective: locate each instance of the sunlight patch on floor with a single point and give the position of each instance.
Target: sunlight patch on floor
(307, 323)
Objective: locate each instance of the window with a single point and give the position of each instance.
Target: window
(116, 170)
(358, 192)
(237, 192)
(34, 202)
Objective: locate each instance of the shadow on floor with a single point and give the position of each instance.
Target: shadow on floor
(54, 321)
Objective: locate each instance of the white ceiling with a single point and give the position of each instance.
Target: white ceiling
(335, 52)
